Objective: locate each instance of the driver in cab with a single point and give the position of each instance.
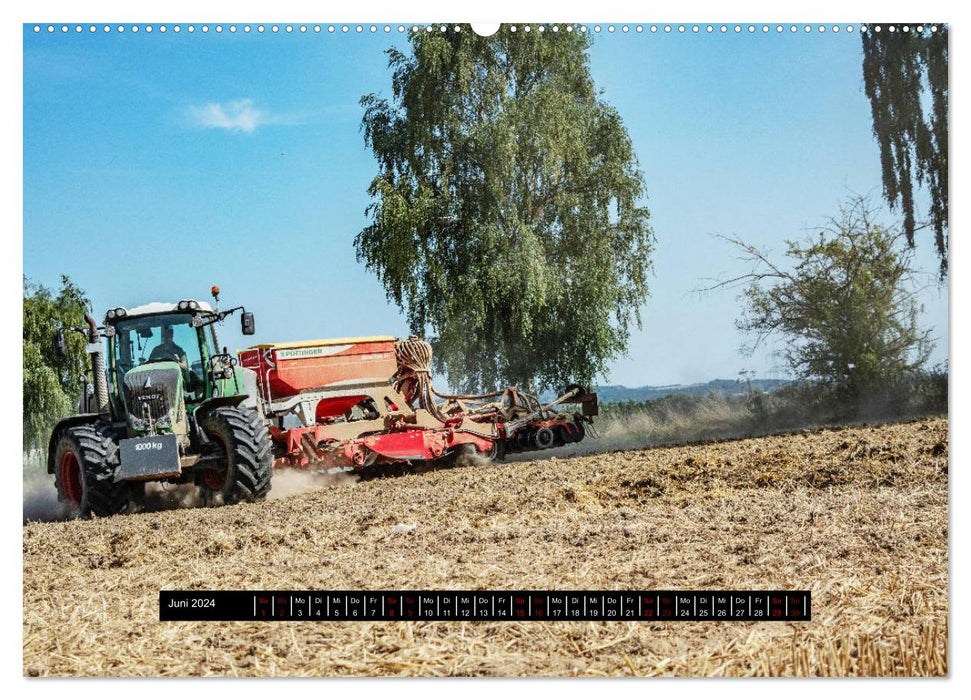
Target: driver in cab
(168, 350)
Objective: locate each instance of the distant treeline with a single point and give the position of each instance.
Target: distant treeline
(613, 393)
(716, 415)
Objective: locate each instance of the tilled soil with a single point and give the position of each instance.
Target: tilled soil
(856, 515)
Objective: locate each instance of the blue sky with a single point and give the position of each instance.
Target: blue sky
(157, 165)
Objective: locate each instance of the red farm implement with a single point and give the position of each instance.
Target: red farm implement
(357, 402)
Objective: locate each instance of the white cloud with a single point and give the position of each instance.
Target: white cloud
(239, 115)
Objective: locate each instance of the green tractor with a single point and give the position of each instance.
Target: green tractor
(163, 404)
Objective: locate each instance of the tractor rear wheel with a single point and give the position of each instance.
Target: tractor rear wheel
(245, 442)
(84, 479)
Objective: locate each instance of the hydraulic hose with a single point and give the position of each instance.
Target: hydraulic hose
(414, 357)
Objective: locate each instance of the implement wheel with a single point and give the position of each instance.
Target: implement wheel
(248, 467)
(497, 452)
(470, 455)
(84, 479)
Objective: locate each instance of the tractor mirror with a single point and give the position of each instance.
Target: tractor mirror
(60, 343)
(248, 323)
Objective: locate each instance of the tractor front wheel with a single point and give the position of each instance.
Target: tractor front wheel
(84, 479)
(248, 465)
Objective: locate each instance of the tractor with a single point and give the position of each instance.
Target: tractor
(163, 404)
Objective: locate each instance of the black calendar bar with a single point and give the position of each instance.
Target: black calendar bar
(487, 606)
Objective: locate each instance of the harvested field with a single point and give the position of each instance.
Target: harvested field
(857, 515)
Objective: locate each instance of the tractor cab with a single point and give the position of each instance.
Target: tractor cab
(163, 338)
(164, 360)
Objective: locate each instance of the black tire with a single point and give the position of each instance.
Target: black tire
(498, 451)
(461, 455)
(84, 479)
(543, 439)
(245, 441)
(468, 454)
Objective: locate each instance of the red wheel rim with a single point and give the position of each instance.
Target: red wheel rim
(214, 479)
(71, 479)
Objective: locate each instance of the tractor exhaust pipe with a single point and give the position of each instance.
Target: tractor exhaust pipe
(96, 350)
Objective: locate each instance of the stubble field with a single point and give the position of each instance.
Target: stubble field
(856, 515)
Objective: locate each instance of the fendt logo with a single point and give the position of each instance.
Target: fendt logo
(148, 446)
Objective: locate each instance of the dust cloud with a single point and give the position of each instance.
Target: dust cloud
(161, 496)
(40, 497)
(41, 504)
(290, 482)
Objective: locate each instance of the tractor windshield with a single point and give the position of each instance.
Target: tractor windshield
(165, 338)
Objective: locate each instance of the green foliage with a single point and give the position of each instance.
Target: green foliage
(846, 309)
(899, 68)
(506, 213)
(51, 383)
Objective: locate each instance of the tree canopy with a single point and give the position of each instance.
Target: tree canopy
(846, 306)
(905, 76)
(51, 383)
(506, 215)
